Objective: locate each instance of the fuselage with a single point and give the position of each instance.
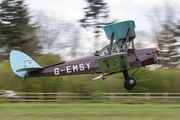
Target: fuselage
(89, 64)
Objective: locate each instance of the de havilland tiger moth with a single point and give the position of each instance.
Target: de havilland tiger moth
(119, 56)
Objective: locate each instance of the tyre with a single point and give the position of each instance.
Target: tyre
(131, 81)
(127, 86)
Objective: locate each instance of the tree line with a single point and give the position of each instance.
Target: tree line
(158, 80)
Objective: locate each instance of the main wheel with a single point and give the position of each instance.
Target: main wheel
(127, 86)
(131, 81)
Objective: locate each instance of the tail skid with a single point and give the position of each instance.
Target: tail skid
(21, 63)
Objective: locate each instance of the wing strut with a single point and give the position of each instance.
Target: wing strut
(111, 43)
(127, 40)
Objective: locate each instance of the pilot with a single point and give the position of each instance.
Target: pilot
(114, 51)
(97, 53)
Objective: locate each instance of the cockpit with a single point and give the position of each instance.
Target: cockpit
(117, 47)
(120, 30)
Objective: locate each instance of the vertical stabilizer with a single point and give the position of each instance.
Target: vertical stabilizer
(21, 63)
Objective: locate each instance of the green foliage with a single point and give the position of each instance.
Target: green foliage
(97, 96)
(157, 80)
(4, 100)
(16, 30)
(96, 9)
(96, 16)
(10, 81)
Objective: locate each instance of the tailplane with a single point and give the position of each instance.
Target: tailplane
(21, 63)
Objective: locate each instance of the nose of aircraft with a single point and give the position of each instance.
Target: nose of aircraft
(157, 46)
(157, 50)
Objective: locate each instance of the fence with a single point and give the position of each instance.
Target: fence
(42, 97)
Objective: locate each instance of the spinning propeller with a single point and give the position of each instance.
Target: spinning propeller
(157, 47)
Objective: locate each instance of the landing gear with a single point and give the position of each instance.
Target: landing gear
(25, 77)
(130, 81)
(127, 86)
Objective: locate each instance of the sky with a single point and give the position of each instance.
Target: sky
(121, 10)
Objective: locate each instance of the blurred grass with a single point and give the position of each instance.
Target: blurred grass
(88, 111)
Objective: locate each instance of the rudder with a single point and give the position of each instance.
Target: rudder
(21, 63)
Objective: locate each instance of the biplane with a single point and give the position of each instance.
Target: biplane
(119, 56)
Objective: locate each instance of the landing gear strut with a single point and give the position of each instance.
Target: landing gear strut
(130, 81)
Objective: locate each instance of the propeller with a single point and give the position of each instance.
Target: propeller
(157, 47)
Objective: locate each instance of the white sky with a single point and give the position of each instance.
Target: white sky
(72, 10)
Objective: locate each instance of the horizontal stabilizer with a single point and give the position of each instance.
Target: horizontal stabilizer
(27, 69)
(21, 63)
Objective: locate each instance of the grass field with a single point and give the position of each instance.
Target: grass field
(88, 111)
